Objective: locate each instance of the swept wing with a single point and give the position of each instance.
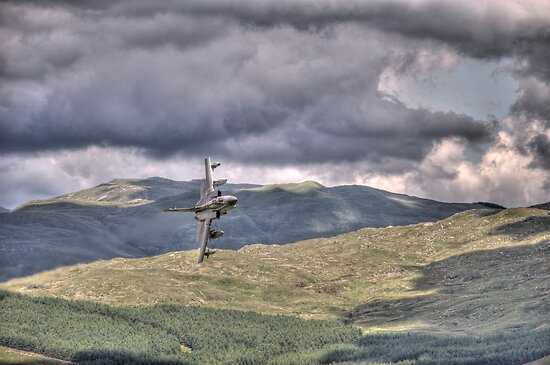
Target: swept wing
(180, 210)
(203, 235)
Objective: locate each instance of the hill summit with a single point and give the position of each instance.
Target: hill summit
(124, 218)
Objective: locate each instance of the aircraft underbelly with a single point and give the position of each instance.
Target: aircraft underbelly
(205, 214)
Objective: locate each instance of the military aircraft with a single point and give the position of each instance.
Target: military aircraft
(212, 205)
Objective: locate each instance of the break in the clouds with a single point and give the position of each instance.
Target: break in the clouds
(310, 87)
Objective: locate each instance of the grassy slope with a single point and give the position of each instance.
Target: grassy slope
(87, 332)
(90, 333)
(113, 220)
(544, 361)
(16, 357)
(476, 271)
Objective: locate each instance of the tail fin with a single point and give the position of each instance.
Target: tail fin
(208, 173)
(207, 187)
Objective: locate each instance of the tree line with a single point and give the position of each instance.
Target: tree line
(93, 333)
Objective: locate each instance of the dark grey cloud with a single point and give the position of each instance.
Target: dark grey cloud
(267, 82)
(540, 144)
(533, 101)
(172, 83)
(530, 120)
(484, 29)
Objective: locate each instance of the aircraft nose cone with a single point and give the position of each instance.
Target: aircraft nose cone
(232, 201)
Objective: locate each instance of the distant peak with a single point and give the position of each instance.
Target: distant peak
(545, 206)
(120, 181)
(301, 187)
(311, 183)
(158, 179)
(491, 205)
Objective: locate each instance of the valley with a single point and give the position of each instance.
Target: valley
(478, 271)
(470, 287)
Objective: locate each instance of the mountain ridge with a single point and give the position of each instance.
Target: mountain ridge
(545, 206)
(124, 218)
(475, 272)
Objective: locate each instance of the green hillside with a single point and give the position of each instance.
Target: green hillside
(125, 218)
(9, 356)
(86, 332)
(91, 333)
(477, 272)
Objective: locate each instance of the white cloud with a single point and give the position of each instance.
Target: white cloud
(503, 176)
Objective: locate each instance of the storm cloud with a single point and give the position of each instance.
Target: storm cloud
(285, 83)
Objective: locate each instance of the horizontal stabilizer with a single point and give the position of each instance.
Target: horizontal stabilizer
(180, 210)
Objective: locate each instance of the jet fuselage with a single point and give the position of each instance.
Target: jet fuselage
(221, 204)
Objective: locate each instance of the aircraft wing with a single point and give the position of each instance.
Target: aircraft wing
(180, 210)
(203, 235)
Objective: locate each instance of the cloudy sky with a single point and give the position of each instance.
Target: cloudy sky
(442, 99)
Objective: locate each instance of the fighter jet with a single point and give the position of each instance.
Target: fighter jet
(212, 205)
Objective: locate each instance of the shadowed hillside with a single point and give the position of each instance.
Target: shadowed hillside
(545, 206)
(88, 333)
(478, 271)
(16, 357)
(483, 289)
(124, 218)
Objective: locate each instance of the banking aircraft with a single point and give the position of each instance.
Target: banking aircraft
(212, 205)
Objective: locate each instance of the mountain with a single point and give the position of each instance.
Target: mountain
(89, 333)
(3, 210)
(124, 218)
(480, 271)
(468, 289)
(545, 206)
